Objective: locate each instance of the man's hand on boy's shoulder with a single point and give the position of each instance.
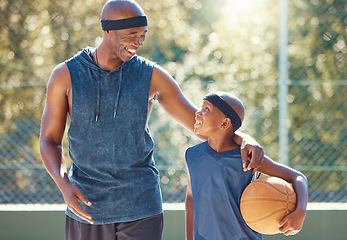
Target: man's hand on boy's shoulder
(252, 156)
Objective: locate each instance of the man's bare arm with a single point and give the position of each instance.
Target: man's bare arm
(251, 151)
(177, 105)
(51, 136)
(172, 99)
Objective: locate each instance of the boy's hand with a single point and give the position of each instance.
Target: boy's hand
(252, 153)
(292, 223)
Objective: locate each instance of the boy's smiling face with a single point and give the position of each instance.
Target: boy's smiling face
(208, 120)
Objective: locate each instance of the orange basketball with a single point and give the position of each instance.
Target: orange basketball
(265, 202)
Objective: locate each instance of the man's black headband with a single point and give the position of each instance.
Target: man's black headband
(133, 22)
(225, 108)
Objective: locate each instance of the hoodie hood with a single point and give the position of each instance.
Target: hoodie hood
(86, 57)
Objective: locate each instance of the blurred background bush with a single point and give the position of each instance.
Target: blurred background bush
(220, 45)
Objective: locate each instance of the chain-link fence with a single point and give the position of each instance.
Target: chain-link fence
(224, 45)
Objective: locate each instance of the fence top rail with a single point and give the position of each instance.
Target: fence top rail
(342, 82)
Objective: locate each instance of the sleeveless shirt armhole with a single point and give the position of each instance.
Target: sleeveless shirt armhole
(186, 154)
(255, 175)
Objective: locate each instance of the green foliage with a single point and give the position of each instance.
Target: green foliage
(224, 45)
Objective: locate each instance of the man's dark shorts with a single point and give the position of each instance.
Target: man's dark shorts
(150, 228)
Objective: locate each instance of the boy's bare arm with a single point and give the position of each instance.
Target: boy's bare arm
(292, 223)
(189, 210)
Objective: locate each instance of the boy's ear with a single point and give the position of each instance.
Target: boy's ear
(226, 124)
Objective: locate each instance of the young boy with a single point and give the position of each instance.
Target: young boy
(216, 179)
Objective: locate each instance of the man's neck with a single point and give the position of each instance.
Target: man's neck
(105, 60)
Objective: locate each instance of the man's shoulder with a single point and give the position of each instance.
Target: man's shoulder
(60, 70)
(143, 61)
(60, 77)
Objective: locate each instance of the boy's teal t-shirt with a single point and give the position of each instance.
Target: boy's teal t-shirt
(217, 181)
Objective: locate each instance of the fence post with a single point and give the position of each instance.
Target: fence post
(283, 81)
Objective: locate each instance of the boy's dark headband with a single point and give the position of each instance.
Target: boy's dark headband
(225, 108)
(133, 22)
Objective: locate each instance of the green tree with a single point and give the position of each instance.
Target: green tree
(224, 45)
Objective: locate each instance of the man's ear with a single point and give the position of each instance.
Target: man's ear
(226, 124)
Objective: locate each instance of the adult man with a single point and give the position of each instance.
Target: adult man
(108, 93)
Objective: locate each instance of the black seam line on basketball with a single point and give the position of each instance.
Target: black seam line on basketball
(274, 188)
(266, 216)
(266, 199)
(287, 202)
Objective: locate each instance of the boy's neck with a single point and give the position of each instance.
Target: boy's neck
(222, 143)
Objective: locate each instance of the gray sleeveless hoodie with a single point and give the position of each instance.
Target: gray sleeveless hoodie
(109, 142)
